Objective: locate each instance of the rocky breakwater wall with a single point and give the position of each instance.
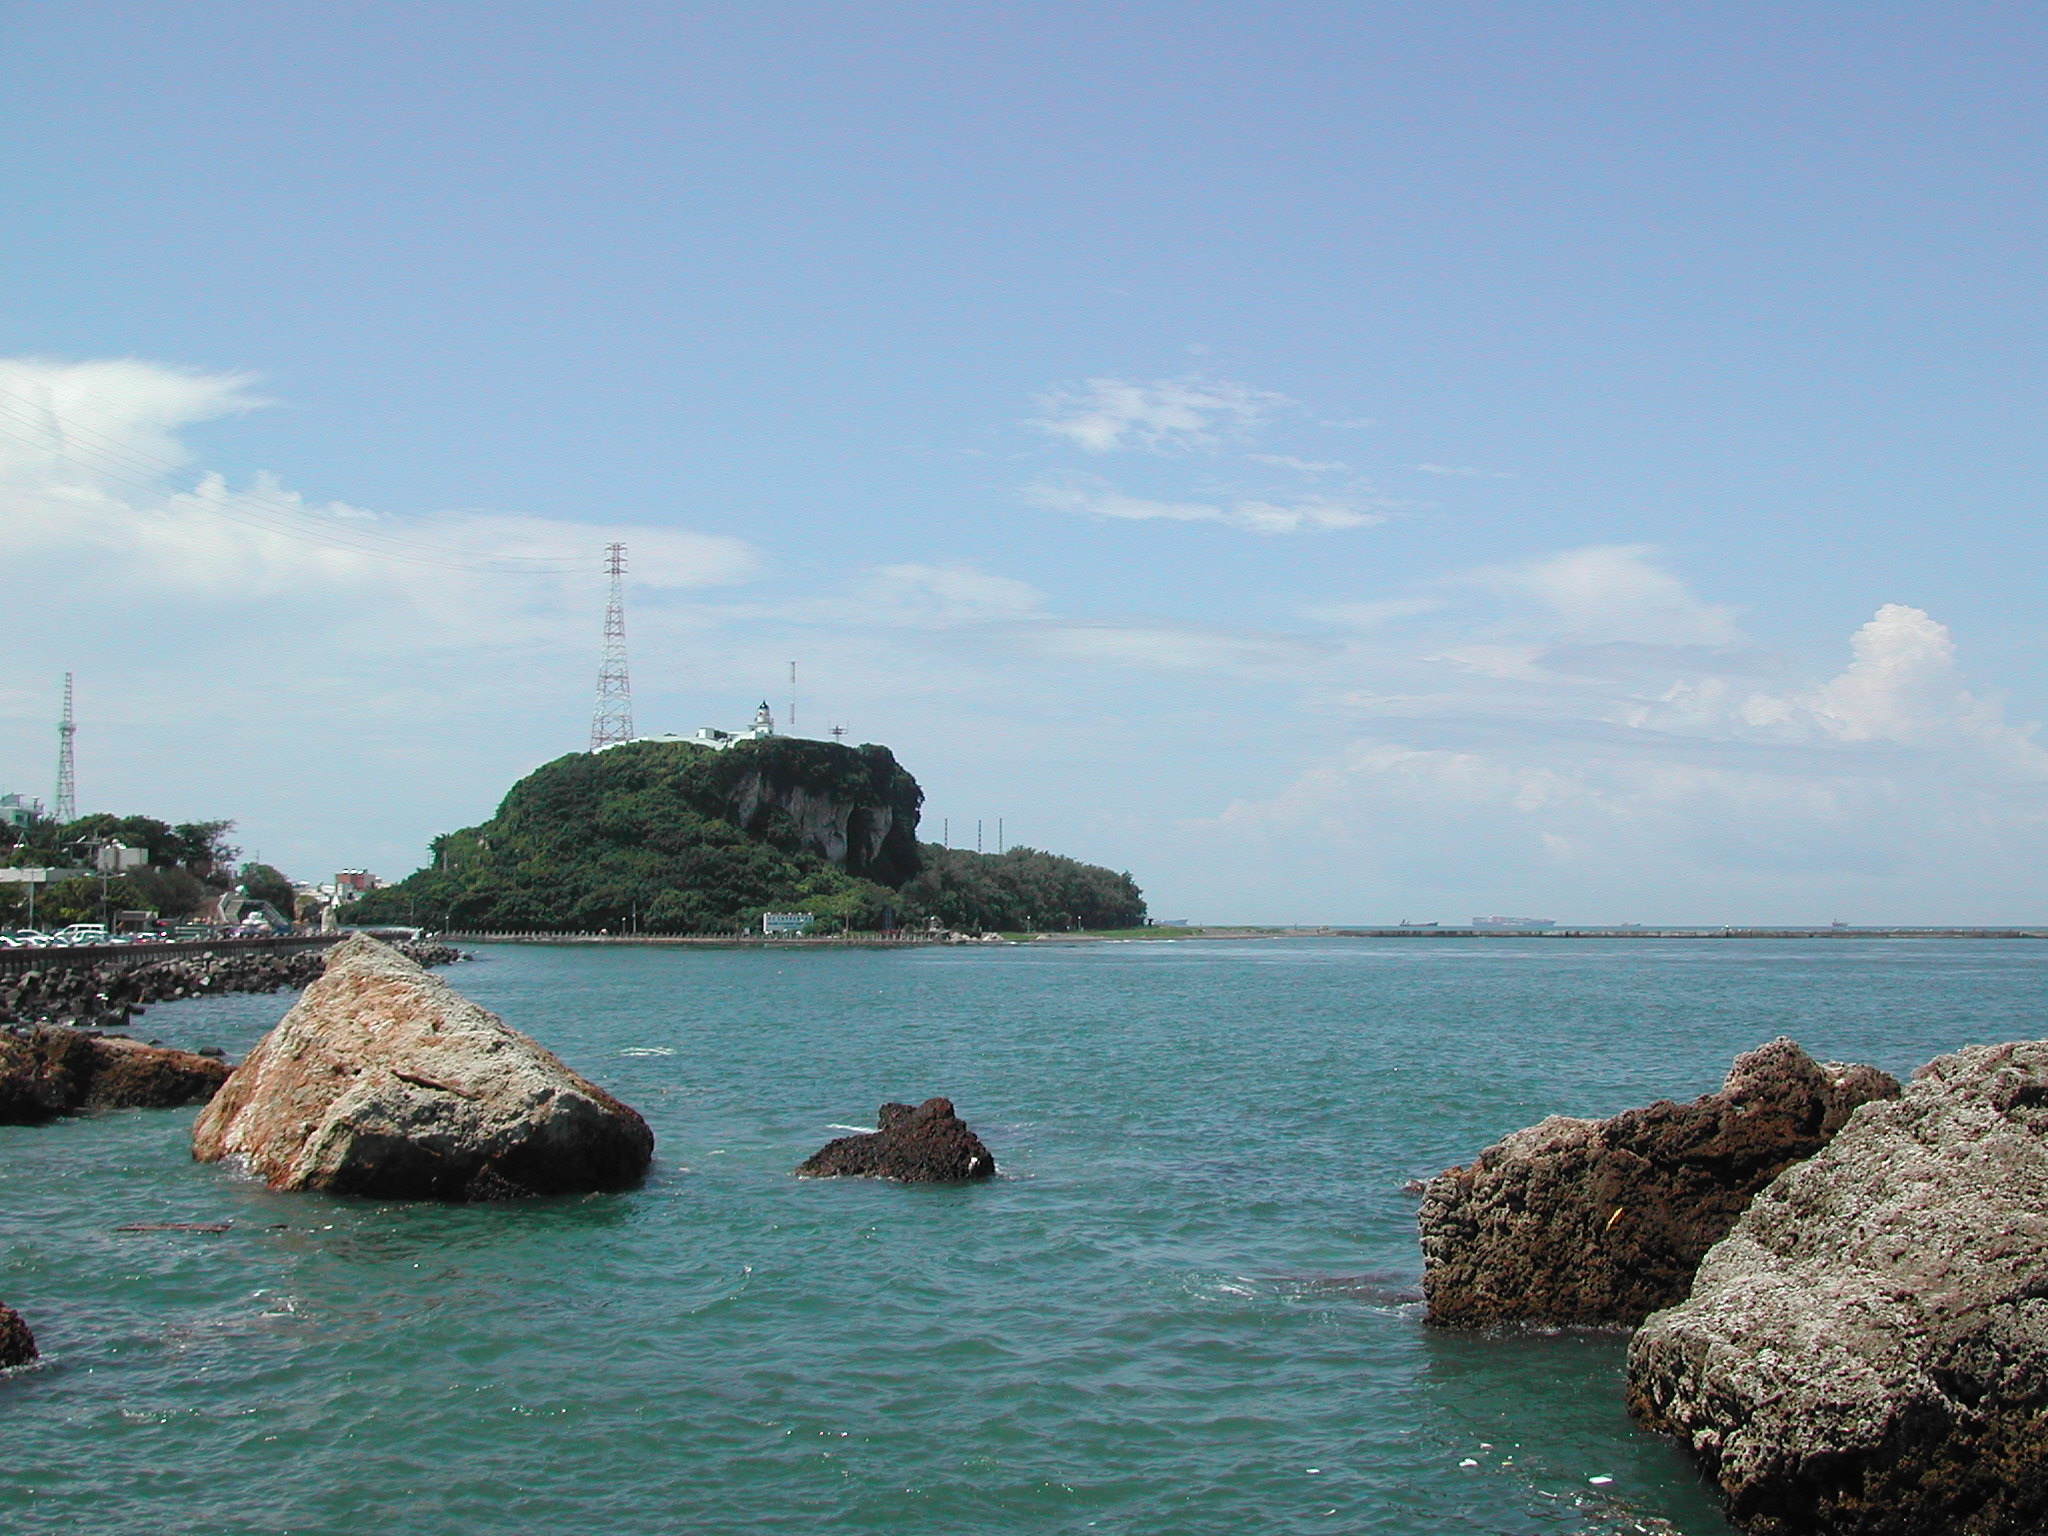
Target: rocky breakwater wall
(106, 994)
(384, 1081)
(1602, 1222)
(1867, 1350)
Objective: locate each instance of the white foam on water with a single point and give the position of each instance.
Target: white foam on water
(647, 1050)
(865, 1130)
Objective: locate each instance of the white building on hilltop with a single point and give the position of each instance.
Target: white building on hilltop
(711, 736)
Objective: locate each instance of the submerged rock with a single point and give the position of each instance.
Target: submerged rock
(49, 1071)
(1601, 1222)
(384, 1081)
(17, 1344)
(926, 1145)
(1867, 1351)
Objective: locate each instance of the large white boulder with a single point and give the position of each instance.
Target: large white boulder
(384, 1081)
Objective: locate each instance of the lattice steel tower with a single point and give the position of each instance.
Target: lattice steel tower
(612, 721)
(67, 779)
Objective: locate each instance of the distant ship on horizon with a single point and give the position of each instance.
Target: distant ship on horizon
(1514, 922)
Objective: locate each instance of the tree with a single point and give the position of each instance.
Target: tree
(266, 884)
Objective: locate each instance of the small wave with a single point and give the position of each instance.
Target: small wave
(864, 1130)
(647, 1050)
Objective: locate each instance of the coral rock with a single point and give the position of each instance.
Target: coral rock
(926, 1145)
(1867, 1350)
(17, 1344)
(384, 1081)
(50, 1071)
(1601, 1222)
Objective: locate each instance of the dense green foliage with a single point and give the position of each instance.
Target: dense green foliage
(264, 883)
(190, 864)
(663, 837)
(1021, 889)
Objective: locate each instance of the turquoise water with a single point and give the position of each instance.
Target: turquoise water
(1187, 1307)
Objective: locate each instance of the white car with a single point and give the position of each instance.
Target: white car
(81, 933)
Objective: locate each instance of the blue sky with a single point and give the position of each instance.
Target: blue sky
(1337, 462)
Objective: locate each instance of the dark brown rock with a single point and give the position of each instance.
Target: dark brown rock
(50, 1071)
(926, 1145)
(1602, 1222)
(17, 1344)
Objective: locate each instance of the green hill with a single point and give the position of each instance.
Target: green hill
(665, 837)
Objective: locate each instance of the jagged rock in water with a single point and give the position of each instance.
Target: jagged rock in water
(384, 1081)
(1601, 1222)
(926, 1145)
(17, 1344)
(49, 1071)
(1867, 1350)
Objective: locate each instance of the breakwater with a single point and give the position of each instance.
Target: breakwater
(104, 987)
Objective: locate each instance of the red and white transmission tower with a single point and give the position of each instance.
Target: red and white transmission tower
(613, 720)
(66, 808)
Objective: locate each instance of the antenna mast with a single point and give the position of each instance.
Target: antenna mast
(67, 778)
(612, 721)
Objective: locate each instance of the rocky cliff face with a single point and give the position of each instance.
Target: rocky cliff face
(1603, 1221)
(855, 837)
(1867, 1350)
(383, 1081)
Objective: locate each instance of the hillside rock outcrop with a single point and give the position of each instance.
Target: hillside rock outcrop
(1601, 1222)
(17, 1344)
(384, 1081)
(49, 1071)
(928, 1144)
(1867, 1350)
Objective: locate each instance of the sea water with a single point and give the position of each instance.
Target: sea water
(1188, 1305)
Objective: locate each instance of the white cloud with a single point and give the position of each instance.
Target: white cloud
(1461, 470)
(1164, 416)
(1611, 592)
(112, 421)
(1301, 466)
(951, 594)
(1175, 646)
(1308, 514)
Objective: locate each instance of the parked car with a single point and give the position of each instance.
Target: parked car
(81, 933)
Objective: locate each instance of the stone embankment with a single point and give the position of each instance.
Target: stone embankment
(106, 995)
(928, 1144)
(47, 1071)
(1867, 1351)
(384, 1081)
(1601, 1222)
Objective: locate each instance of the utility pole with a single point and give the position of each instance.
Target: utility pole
(977, 834)
(67, 779)
(999, 834)
(792, 698)
(612, 721)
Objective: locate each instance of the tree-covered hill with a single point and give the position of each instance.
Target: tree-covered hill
(1021, 889)
(665, 837)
